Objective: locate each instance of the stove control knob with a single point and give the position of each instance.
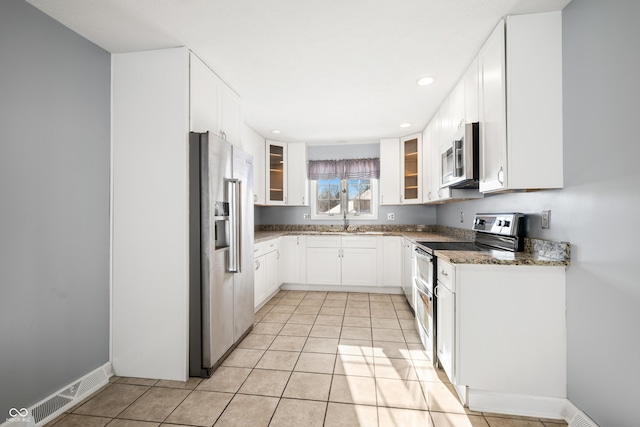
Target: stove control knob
(499, 223)
(507, 223)
(479, 221)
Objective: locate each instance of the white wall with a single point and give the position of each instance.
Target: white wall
(150, 131)
(598, 208)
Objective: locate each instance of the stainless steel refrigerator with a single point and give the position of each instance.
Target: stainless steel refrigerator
(221, 250)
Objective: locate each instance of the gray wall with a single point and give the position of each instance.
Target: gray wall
(295, 215)
(598, 208)
(54, 214)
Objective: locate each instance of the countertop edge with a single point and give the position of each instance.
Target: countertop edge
(453, 257)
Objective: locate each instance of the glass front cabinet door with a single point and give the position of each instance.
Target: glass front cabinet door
(411, 161)
(276, 173)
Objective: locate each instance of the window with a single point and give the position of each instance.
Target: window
(330, 197)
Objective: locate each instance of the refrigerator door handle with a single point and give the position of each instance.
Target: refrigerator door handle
(233, 260)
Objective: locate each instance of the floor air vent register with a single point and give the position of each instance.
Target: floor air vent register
(581, 420)
(54, 405)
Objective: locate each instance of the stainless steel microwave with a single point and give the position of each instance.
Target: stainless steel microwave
(460, 156)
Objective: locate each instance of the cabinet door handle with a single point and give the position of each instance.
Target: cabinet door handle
(382, 199)
(439, 193)
(501, 176)
(444, 273)
(285, 200)
(277, 254)
(303, 200)
(435, 291)
(257, 265)
(429, 195)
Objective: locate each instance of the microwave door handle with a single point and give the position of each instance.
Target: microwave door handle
(458, 160)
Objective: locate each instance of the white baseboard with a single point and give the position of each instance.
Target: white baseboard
(515, 404)
(55, 404)
(342, 288)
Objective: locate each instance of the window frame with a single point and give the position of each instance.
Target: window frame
(375, 202)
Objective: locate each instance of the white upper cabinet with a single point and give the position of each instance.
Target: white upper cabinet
(456, 109)
(286, 173)
(521, 112)
(297, 188)
(401, 170)
(203, 97)
(276, 168)
(390, 171)
(493, 112)
(231, 115)
(411, 167)
(254, 144)
(427, 167)
(471, 94)
(214, 106)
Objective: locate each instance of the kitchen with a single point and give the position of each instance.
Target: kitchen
(63, 303)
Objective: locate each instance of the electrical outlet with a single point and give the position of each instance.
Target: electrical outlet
(546, 219)
(391, 216)
(307, 216)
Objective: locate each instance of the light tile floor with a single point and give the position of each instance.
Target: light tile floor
(313, 359)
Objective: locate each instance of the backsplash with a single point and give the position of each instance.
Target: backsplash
(548, 248)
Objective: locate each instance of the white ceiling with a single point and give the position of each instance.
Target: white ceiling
(318, 70)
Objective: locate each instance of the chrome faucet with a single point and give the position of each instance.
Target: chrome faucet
(346, 221)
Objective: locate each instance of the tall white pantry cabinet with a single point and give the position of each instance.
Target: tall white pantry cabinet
(157, 98)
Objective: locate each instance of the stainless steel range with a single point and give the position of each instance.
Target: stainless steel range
(503, 231)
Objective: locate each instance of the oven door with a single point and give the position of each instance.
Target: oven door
(423, 268)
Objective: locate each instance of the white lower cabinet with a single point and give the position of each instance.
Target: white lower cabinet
(266, 270)
(445, 321)
(293, 259)
(501, 335)
(344, 260)
(392, 261)
(324, 266)
(272, 281)
(358, 266)
(407, 270)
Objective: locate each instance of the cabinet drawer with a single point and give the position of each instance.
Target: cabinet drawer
(359, 242)
(445, 274)
(271, 245)
(323, 241)
(259, 249)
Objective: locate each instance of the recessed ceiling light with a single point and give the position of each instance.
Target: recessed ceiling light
(425, 81)
(276, 131)
(405, 125)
